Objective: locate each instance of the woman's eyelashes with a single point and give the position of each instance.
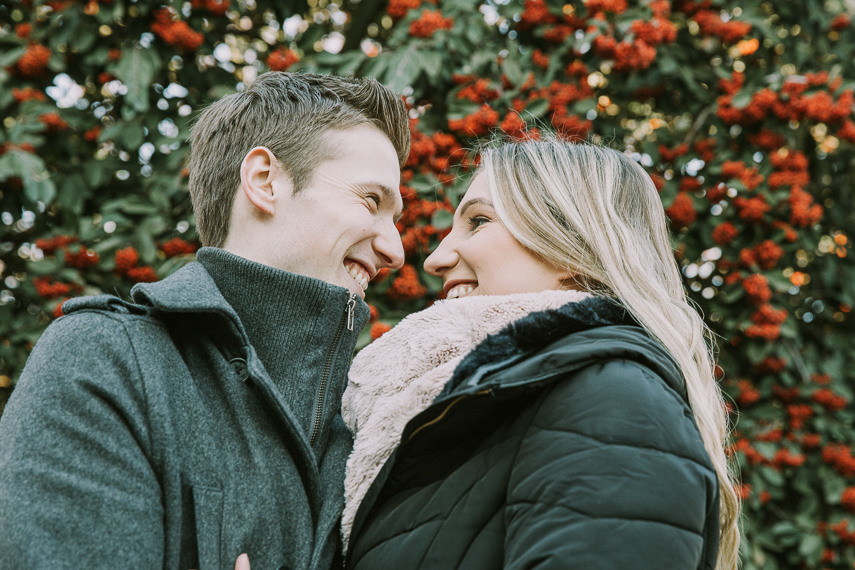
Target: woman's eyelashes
(476, 222)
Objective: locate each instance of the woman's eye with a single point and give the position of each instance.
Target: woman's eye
(375, 198)
(477, 221)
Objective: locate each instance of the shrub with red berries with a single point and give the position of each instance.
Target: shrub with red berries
(743, 116)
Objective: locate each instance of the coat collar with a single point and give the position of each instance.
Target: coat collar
(543, 341)
(189, 290)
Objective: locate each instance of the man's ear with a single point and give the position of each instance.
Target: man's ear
(258, 173)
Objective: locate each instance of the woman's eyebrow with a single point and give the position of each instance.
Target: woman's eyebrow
(473, 201)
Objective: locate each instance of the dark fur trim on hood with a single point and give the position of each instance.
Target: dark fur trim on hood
(538, 330)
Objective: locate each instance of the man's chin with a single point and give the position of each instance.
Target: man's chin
(355, 289)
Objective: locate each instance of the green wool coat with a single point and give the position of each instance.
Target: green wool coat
(149, 435)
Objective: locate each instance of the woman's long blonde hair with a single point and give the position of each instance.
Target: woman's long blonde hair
(596, 212)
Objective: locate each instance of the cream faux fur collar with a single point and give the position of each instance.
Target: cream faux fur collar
(399, 375)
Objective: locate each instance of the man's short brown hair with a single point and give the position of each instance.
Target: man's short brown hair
(289, 113)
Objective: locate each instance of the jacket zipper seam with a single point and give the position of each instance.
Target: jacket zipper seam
(322, 390)
(441, 416)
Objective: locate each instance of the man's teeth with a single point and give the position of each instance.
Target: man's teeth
(359, 276)
(459, 291)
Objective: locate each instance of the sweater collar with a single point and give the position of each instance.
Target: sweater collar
(293, 330)
(270, 298)
(304, 330)
(192, 289)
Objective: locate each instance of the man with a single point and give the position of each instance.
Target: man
(202, 421)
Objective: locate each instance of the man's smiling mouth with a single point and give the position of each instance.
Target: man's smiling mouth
(358, 272)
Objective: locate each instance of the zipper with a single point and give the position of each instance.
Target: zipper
(444, 413)
(322, 390)
(351, 304)
(436, 420)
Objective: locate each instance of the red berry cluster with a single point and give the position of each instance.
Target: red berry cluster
(175, 33)
(428, 23)
(282, 59)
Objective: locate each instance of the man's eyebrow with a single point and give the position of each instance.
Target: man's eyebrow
(389, 195)
(473, 201)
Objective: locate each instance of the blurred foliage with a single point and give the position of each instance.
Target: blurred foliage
(742, 115)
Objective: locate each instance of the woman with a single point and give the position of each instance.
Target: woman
(559, 410)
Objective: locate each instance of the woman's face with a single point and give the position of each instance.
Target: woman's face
(480, 256)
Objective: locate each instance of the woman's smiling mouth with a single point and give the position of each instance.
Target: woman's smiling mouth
(461, 289)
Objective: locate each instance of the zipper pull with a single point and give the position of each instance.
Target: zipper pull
(351, 304)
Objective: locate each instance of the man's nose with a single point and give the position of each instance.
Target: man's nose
(389, 248)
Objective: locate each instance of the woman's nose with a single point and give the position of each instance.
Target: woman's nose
(443, 258)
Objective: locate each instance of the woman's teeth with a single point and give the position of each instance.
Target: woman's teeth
(460, 291)
(358, 275)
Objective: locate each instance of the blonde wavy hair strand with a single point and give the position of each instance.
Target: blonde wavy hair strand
(596, 212)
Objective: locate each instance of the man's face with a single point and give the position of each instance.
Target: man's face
(341, 228)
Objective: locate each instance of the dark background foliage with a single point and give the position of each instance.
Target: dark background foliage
(742, 113)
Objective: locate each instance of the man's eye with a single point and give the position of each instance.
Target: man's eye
(477, 221)
(375, 198)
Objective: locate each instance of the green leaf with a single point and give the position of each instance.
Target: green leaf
(172, 265)
(442, 219)
(811, 547)
(72, 193)
(375, 67)
(95, 174)
(772, 477)
(403, 69)
(132, 136)
(83, 40)
(425, 183)
(780, 283)
(741, 100)
(757, 351)
(137, 205)
(789, 329)
(136, 70)
(351, 62)
(146, 247)
(668, 66)
(432, 282)
(733, 295)
(153, 225)
(474, 34)
(110, 244)
(833, 486)
(511, 68)
(459, 108)
(536, 109)
(38, 187)
(432, 64)
(44, 267)
(583, 106)
(12, 56)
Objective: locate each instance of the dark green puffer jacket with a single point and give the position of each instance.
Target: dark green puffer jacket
(564, 441)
